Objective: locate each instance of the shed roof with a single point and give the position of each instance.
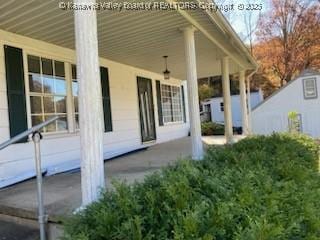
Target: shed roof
(304, 73)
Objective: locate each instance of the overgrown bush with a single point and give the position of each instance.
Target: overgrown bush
(260, 188)
(211, 128)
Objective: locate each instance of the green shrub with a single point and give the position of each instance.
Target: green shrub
(211, 128)
(260, 188)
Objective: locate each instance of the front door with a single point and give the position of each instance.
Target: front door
(148, 130)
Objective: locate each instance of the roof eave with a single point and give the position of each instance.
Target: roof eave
(227, 29)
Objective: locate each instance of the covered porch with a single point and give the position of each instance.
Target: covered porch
(62, 192)
(199, 43)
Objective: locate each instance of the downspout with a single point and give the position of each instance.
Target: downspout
(253, 72)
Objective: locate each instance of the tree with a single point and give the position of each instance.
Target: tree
(259, 80)
(249, 18)
(205, 92)
(243, 19)
(289, 36)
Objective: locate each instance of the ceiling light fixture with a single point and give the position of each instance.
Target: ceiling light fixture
(166, 73)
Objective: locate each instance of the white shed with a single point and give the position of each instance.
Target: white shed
(299, 95)
(213, 108)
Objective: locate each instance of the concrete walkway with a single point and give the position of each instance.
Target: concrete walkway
(62, 192)
(219, 140)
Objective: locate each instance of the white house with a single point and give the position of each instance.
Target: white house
(214, 107)
(133, 100)
(50, 57)
(300, 95)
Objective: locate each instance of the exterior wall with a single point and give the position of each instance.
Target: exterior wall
(61, 152)
(218, 116)
(272, 115)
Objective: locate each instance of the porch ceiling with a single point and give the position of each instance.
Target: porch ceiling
(139, 38)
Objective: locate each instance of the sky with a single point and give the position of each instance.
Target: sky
(237, 17)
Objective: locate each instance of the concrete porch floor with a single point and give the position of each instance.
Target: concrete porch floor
(219, 140)
(62, 192)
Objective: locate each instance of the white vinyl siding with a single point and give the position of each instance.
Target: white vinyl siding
(171, 102)
(61, 150)
(272, 115)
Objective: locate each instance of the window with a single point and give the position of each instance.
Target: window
(171, 104)
(310, 88)
(295, 123)
(221, 106)
(207, 108)
(75, 94)
(47, 92)
(104, 77)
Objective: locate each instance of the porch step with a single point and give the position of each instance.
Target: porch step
(17, 228)
(10, 230)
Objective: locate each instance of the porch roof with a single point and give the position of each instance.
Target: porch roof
(138, 39)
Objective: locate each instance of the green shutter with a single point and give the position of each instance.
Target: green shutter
(160, 116)
(15, 91)
(183, 104)
(106, 99)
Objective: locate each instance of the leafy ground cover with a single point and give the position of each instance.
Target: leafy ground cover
(259, 188)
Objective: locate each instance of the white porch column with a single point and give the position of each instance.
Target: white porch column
(243, 102)
(90, 103)
(193, 97)
(227, 100)
(249, 105)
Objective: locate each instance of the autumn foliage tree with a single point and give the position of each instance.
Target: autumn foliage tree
(288, 39)
(205, 92)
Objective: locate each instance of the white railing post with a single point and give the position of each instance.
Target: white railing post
(36, 137)
(42, 219)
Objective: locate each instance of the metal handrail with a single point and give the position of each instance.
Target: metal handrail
(26, 133)
(36, 137)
